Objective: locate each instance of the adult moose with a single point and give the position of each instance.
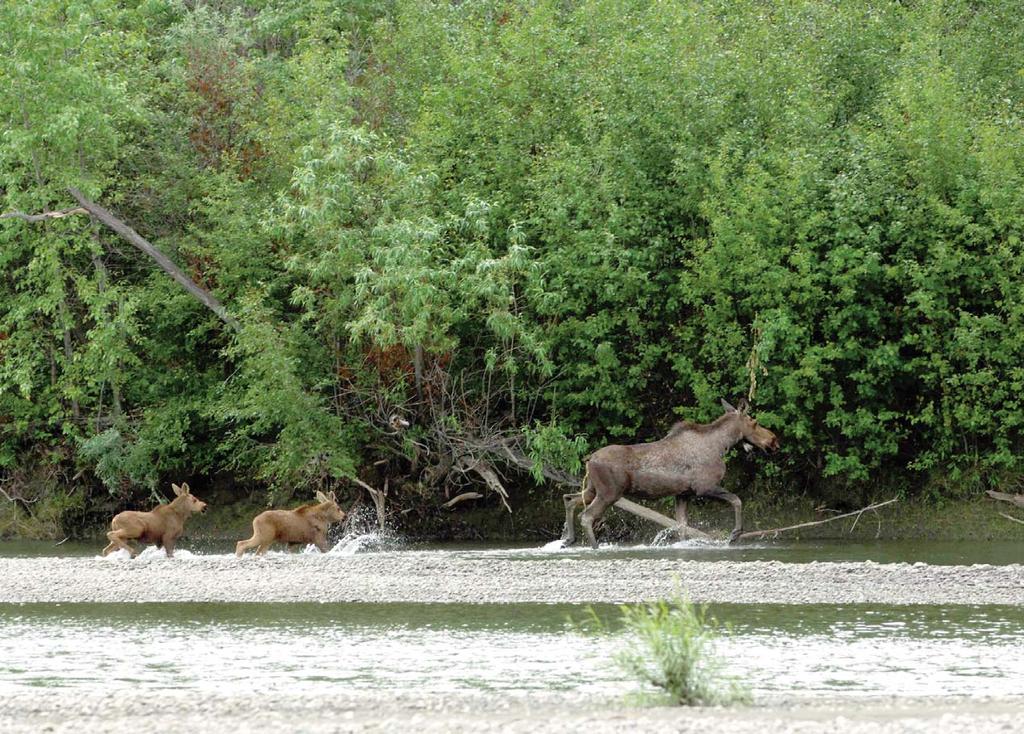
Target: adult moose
(687, 463)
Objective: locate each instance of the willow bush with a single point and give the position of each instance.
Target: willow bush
(593, 217)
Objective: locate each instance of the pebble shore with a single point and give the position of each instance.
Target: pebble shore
(413, 576)
(174, 712)
(431, 577)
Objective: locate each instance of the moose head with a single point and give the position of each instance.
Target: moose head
(754, 434)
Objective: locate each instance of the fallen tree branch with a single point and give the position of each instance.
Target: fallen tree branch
(462, 498)
(776, 531)
(1011, 517)
(166, 264)
(656, 517)
(45, 215)
(1015, 499)
(490, 478)
(379, 500)
(130, 235)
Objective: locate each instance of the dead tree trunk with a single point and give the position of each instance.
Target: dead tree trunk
(1013, 499)
(134, 238)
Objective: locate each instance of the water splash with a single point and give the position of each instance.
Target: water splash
(364, 536)
(149, 553)
(554, 546)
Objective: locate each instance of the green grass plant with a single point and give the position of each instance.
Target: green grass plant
(670, 645)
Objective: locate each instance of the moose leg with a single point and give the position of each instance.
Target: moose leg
(168, 543)
(118, 540)
(590, 515)
(737, 507)
(681, 516)
(607, 485)
(243, 545)
(572, 501)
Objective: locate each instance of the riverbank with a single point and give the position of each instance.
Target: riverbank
(975, 519)
(540, 519)
(71, 711)
(424, 576)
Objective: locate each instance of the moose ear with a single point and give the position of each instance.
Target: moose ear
(185, 488)
(321, 497)
(744, 406)
(333, 498)
(178, 491)
(727, 407)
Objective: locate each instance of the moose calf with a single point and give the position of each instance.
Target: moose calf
(306, 524)
(162, 525)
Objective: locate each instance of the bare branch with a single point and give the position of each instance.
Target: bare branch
(490, 477)
(45, 215)
(462, 498)
(1011, 517)
(166, 264)
(776, 531)
(1016, 499)
(15, 498)
(656, 517)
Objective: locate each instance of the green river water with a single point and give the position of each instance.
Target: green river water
(781, 651)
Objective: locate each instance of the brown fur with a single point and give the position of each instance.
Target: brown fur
(687, 463)
(305, 524)
(161, 525)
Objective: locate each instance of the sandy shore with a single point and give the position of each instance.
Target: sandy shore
(413, 576)
(72, 712)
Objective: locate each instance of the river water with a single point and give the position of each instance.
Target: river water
(787, 651)
(939, 552)
(782, 652)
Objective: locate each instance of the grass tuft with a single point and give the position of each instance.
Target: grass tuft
(670, 646)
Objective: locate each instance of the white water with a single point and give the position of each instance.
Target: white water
(452, 648)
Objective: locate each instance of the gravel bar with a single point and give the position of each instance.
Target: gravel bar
(170, 712)
(413, 576)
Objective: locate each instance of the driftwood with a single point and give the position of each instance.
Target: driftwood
(462, 498)
(379, 500)
(656, 517)
(776, 531)
(1015, 499)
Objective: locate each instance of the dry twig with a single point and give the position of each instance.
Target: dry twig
(775, 531)
(462, 498)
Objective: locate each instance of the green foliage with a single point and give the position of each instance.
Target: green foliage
(614, 210)
(670, 645)
(547, 445)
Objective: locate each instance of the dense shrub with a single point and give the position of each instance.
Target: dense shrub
(591, 217)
